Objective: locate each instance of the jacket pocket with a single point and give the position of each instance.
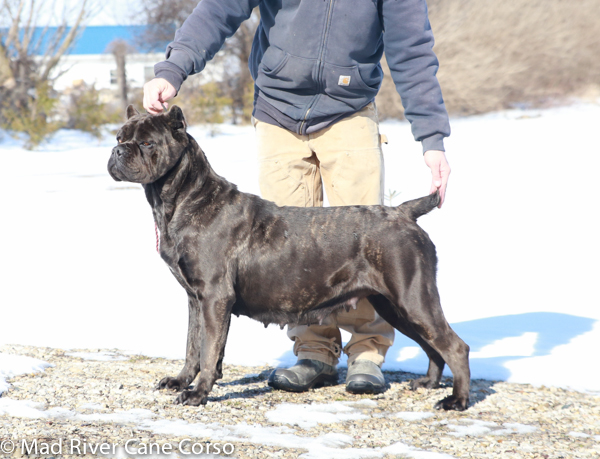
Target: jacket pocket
(346, 84)
(371, 75)
(272, 61)
(279, 70)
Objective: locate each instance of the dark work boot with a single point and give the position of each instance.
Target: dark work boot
(364, 377)
(306, 374)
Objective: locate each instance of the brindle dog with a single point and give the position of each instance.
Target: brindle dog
(235, 253)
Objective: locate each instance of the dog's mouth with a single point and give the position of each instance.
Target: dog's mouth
(114, 177)
(124, 168)
(113, 169)
(119, 168)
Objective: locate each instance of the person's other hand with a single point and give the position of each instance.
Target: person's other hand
(440, 171)
(156, 92)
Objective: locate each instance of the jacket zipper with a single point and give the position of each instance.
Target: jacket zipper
(305, 116)
(320, 68)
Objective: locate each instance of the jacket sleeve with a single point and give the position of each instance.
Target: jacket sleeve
(201, 36)
(408, 42)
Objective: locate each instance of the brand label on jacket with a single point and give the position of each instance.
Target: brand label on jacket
(344, 80)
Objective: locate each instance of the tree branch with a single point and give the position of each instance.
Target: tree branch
(54, 60)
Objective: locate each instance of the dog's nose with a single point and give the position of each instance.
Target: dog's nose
(119, 150)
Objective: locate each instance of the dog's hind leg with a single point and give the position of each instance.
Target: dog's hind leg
(420, 308)
(421, 302)
(191, 367)
(215, 317)
(387, 311)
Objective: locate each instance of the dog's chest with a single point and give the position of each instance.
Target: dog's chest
(178, 263)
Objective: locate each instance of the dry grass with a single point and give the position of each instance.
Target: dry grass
(496, 54)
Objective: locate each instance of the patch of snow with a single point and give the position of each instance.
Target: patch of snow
(97, 356)
(363, 453)
(407, 353)
(523, 345)
(21, 408)
(477, 428)
(578, 435)
(413, 415)
(515, 427)
(118, 417)
(92, 406)
(13, 365)
(308, 416)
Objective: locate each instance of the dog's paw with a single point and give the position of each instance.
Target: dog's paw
(425, 383)
(452, 403)
(171, 383)
(190, 398)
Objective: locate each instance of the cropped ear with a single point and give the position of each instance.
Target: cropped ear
(131, 111)
(176, 119)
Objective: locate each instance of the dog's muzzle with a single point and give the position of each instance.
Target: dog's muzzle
(118, 153)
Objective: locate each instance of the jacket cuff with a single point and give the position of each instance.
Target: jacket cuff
(170, 72)
(434, 142)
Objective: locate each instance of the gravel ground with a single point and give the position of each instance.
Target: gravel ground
(114, 403)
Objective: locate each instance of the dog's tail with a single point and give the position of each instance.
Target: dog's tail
(421, 206)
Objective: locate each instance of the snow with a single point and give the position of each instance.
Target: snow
(412, 416)
(578, 434)
(97, 356)
(477, 428)
(307, 416)
(15, 365)
(517, 246)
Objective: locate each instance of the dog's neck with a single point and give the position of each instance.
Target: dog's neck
(192, 178)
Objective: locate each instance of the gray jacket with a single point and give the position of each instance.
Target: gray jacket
(316, 61)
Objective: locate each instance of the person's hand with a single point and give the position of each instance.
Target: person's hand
(156, 93)
(440, 171)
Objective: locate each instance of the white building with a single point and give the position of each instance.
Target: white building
(91, 61)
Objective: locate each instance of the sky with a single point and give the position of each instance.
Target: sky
(115, 12)
(102, 12)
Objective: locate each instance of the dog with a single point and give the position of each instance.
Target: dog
(235, 253)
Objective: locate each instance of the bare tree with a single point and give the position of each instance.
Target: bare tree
(239, 81)
(119, 49)
(165, 16)
(30, 50)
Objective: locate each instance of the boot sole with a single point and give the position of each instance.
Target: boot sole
(364, 387)
(282, 383)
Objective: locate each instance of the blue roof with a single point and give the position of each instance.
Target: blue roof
(96, 39)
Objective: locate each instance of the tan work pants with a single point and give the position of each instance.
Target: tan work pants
(347, 158)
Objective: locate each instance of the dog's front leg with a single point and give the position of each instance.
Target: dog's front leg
(215, 317)
(192, 357)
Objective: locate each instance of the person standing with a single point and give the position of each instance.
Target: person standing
(316, 68)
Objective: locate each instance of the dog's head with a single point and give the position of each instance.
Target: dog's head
(149, 146)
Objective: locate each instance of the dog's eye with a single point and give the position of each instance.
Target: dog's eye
(146, 144)
(119, 139)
